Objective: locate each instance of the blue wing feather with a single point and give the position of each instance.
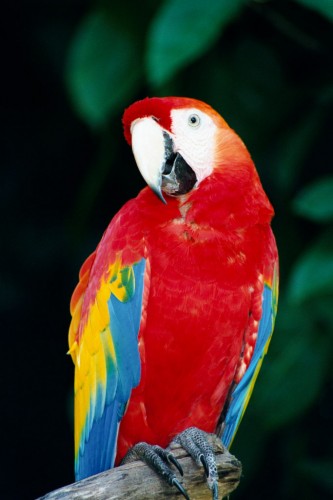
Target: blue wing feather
(98, 449)
(95, 457)
(124, 324)
(242, 392)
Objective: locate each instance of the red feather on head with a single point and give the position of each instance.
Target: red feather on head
(160, 108)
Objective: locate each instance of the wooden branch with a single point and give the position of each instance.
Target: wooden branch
(137, 481)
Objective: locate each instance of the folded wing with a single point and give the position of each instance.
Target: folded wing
(103, 342)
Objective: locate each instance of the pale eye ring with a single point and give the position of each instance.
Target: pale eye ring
(194, 120)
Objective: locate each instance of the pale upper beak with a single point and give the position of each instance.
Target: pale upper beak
(149, 152)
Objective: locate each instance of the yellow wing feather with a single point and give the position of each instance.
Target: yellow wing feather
(92, 348)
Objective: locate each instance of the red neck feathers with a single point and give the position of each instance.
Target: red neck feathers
(232, 195)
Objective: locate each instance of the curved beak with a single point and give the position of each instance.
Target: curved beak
(149, 152)
(160, 165)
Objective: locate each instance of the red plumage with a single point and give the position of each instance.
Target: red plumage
(206, 255)
(202, 268)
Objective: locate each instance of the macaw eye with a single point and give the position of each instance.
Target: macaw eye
(194, 120)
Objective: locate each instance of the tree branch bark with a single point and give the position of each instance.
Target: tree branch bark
(137, 481)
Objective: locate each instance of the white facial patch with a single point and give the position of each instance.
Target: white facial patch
(193, 133)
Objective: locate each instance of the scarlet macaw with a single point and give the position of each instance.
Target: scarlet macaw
(175, 309)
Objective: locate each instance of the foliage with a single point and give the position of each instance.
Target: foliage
(266, 66)
(181, 31)
(100, 84)
(315, 200)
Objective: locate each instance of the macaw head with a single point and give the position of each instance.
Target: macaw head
(178, 142)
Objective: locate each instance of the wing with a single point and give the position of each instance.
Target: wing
(241, 393)
(106, 312)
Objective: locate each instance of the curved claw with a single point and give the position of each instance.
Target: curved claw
(215, 491)
(180, 488)
(159, 460)
(204, 463)
(195, 442)
(175, 462)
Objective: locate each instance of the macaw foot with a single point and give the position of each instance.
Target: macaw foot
(195, 442)
(158, 459)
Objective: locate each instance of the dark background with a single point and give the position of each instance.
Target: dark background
(68, 70)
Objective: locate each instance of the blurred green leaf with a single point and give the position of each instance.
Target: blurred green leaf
(323, 310)
(294, 145)
(324, 7)
(312, 274)
(182, 31)
(295, 370)
(103, 69)
(242, 83)
(316, 200)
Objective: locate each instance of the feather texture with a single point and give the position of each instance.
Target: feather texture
(175, 309)
(241, 394)
(107, 365)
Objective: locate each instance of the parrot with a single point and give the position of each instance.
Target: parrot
(175, 309)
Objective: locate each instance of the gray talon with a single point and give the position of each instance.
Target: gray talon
(175, 462)
(180, 488)
(205, 465)
(215, 491)
(159, 460)
(195, 442)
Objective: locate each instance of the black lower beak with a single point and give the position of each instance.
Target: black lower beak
(177, 175)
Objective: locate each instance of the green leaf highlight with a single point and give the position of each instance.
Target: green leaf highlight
(182, 31)
(103, 69)
(315, 202)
